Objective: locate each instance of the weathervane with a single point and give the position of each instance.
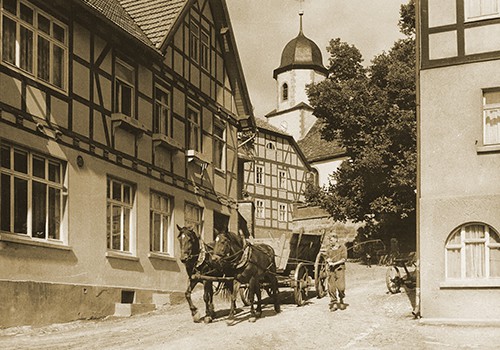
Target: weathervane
(301, 12)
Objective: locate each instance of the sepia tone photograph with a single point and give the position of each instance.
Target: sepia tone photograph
(249, 174)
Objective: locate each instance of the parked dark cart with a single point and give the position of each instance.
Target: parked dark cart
(402, 273)
(301, 265)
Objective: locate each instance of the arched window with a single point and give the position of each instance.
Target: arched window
(284, 91)
(313, 177)
(270, 146)
(473, 252)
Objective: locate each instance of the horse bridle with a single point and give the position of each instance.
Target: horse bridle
(192, 237)
(230, 257)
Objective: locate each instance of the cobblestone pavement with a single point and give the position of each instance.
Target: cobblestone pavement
(373, 319)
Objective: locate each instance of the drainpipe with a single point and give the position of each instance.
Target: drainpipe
(416, 310)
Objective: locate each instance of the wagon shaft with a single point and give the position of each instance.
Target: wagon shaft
(198, 276)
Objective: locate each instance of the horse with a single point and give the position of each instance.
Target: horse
(198, 262)
(250, 264)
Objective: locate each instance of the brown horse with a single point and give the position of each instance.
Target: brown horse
(198, 262)
(251, 264)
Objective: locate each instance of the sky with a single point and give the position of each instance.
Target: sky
(263, 27)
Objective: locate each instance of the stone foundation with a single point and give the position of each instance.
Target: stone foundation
(37, 303)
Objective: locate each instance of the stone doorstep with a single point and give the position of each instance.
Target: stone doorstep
(171, 298)
(159, 300)
(127, 310)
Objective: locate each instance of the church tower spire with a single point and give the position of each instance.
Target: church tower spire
(301, 64)
(301, 13)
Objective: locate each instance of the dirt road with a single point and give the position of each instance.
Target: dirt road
(372, 320)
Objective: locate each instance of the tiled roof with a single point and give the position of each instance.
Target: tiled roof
(301, 105)
(316, 148)
(112, 10)
(262, 124)
(154, 17)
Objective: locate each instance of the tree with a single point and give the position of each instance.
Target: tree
(372, 113)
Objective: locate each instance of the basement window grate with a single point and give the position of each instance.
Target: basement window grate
(128, 296)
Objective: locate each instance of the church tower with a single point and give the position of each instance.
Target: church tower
(301, 64)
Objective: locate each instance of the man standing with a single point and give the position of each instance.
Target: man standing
(336, 257)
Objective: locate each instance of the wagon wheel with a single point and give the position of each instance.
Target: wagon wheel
(244, 290)
(393, 279)
(320, 275)
(301, 284)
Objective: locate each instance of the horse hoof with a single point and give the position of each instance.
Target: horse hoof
(277, 309)
(207, 319)
(197, 317)
(230, 322)
(252, 319)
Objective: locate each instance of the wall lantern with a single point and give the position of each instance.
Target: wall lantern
(79, 161)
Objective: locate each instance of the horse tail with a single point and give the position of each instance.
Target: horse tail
(224, 289)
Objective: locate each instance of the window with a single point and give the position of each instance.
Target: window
(124, 88)
(205, 49)
(481, 9)
(259, 174)
(193, 217)
(199, 45)
(194, 41)
(162, 119)
(282, 216)
(221, 224)
(120, 198)
(220, 144)
(259, 209)
(270, 146)
(31, 193)
(193, 129)
(473, 252)
(282, 179)
(284, 92)
(34, 42)
(161, 232)
(491, 117)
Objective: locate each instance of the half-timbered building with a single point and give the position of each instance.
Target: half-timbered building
(459, 158)
(119, 119)
(274, 181)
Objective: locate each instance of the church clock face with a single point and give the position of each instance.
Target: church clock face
(284, 125)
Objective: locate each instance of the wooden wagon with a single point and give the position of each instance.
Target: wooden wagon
(301, 265)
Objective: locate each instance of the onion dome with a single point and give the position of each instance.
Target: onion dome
(301, 53)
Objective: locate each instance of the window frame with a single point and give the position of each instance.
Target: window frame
(461, 247)
(31, 179)
(284, 92)
(259, 174)
(194, 41)
(37, 35)
(205, 48)
(166, 239)
(469, 18)
(118, 91)
(486, 110)
(221, 140)
(110, 203)
(260, 209)
(164, 128)
(196, 223)
(282, 212)
(282, 179)
(193, 127)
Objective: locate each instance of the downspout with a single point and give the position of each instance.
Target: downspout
(416, 310)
